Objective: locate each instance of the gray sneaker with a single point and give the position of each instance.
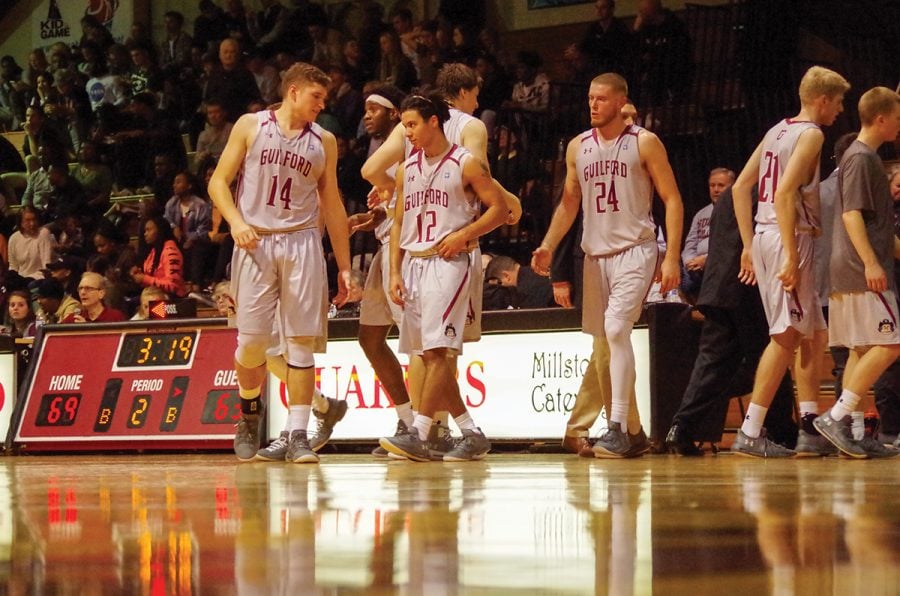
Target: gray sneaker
(875, 449)
(839, 434)
(639, 444)
(407, 445)
(336, 410)
(472, 445)
(246, 437)
(810, 445)
(440, 441)
(613, 444)
(298, 450)
(381, 451)
(277, 450)
(759, 447)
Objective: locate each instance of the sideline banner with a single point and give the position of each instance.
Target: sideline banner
(60, 20)
(516, 385)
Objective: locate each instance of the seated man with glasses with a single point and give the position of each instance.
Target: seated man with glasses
(91, 292)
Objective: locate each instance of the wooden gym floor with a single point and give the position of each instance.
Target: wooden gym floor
(520, 524)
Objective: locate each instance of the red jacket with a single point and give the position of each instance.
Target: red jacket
(168, 275)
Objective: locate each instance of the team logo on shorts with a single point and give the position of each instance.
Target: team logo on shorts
(795, 314)
(886, 326)
(450, 331)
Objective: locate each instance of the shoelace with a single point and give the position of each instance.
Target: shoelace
(281, 441)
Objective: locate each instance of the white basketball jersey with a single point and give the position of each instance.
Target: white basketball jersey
(777, 147)
(454, 126)
(279, 178)
(435, 201)
(616, 193)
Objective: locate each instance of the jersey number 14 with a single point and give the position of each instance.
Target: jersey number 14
(284, 195)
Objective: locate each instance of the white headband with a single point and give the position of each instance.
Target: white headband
(381, 100)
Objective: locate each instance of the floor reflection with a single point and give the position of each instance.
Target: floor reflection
(511, 524)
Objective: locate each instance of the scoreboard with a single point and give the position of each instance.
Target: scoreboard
(167, 384)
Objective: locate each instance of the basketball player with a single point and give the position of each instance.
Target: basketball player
(613, 168)
(437, 223)
(862, 308)
(285, 160)
(779, 257)
(460, 85)
(377, 311)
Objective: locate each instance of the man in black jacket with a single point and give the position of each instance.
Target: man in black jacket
(734, 335)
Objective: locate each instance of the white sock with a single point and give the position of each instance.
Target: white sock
(621, 368)
(858, 425)
(298, 417)
(845, 404)
(320, 402)
(808, 407)
(405, 413)
(423, 425)
(753, 421)
(619, 414)
(465, 422)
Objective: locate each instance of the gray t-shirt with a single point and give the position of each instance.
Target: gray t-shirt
(862, 186)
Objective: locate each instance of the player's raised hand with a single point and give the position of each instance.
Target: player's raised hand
(746, 275)
(540, 260)
(244, 236)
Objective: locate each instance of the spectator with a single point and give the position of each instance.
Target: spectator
(145, 75)
(119, 60)
(696, 245)
(74, 107)
(427, 59)
(231, 84)
(190, 219)
(236, 22)
(531, 91)
(326, 43)
(163, 261)
(266, 76)
(165, 166)
(212, 140)
(395, 68)
(39, 131)
(608, 44)
(105, 88)
(38, 190)
(343, 101)
(19, 320)
(664, 60)
(94, 176)
(67, 196)
(140, 38)
(532, 290)
(12, 93)
(175, 49)
(210, 27)
(495, 88)
(92, 57)
(464, 48)
(92, 30)
(148, 133)
(221, 295)
(67, 271)
(114, 259)
(31, 246)
(37, 63)
(55, 305)
(148, 295)
(92, 291)
(358, 72)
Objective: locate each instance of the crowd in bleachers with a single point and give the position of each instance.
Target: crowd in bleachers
(120, 139)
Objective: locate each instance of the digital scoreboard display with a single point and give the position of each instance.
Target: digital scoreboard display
(149, 385)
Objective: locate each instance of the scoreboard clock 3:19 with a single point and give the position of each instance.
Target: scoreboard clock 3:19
(166, 384)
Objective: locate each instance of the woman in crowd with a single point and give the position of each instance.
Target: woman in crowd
(163, 261)
(19, 320)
